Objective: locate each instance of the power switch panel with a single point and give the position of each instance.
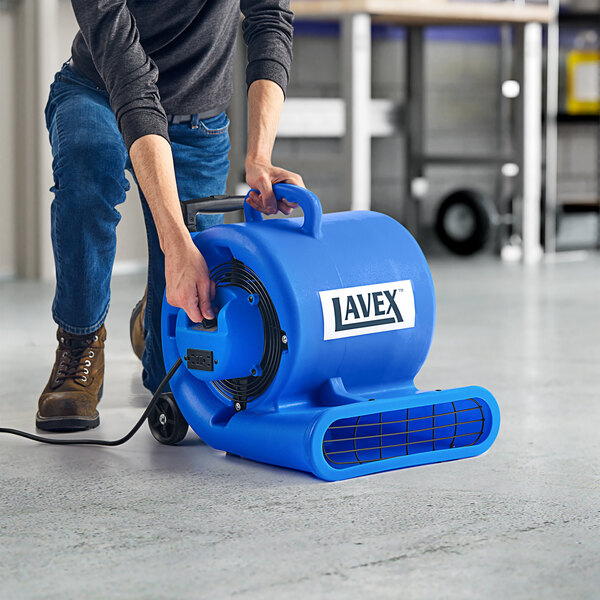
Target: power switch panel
(200, 360)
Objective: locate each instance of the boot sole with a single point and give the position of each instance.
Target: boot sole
(66, 424)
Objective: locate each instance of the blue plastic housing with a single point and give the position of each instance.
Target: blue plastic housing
(356, 305)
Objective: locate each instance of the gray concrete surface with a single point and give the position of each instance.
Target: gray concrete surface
(149, 521)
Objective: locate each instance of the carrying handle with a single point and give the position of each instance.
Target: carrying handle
(209, 206)
(308, 202)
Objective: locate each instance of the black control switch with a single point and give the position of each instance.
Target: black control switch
(209, 323)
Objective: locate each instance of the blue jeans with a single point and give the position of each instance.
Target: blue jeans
(89, 163)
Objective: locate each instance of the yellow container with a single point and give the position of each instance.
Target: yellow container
(583, 82)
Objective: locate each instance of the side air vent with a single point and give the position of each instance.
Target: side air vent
(391, 434)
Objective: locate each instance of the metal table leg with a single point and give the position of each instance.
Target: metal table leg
(414, 124)
(551, 175)
(238, 113)
(530, 38)
(356, 72)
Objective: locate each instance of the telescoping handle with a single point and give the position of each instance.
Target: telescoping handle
(209, 205)
(306, 200)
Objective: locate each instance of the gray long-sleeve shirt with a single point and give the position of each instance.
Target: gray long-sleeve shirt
(158, 57)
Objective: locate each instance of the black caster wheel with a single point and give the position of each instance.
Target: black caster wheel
(166, 422)
(464, 221)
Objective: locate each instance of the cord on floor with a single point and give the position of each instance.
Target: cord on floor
(92, 442)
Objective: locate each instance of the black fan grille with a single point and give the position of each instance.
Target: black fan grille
(390, 434)
(245, 389)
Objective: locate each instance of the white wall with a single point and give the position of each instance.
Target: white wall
(7, 144)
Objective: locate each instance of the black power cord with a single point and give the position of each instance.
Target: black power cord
(91, 442)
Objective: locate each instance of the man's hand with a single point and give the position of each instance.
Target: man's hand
(188, 282)
(261, 176)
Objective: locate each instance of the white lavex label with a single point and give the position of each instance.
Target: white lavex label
(367, 309)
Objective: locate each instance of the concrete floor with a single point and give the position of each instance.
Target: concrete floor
(149, 521)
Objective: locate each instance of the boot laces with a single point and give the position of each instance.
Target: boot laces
(75, 359)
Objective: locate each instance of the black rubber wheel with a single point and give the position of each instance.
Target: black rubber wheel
(463, 222)
(166, 422)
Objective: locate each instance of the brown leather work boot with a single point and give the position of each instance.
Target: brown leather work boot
(137, 333)
(69, 400)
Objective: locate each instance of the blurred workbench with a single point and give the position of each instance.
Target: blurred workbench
(427, 12)
(356, 18)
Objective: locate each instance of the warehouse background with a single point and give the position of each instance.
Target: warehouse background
(147, 520)
(463, 79)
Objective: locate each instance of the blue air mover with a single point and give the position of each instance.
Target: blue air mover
(323, 324)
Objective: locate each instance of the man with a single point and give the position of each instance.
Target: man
(146, 91)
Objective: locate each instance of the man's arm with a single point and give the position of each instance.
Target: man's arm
(265, 101)
(268, 31)
(186, 273)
